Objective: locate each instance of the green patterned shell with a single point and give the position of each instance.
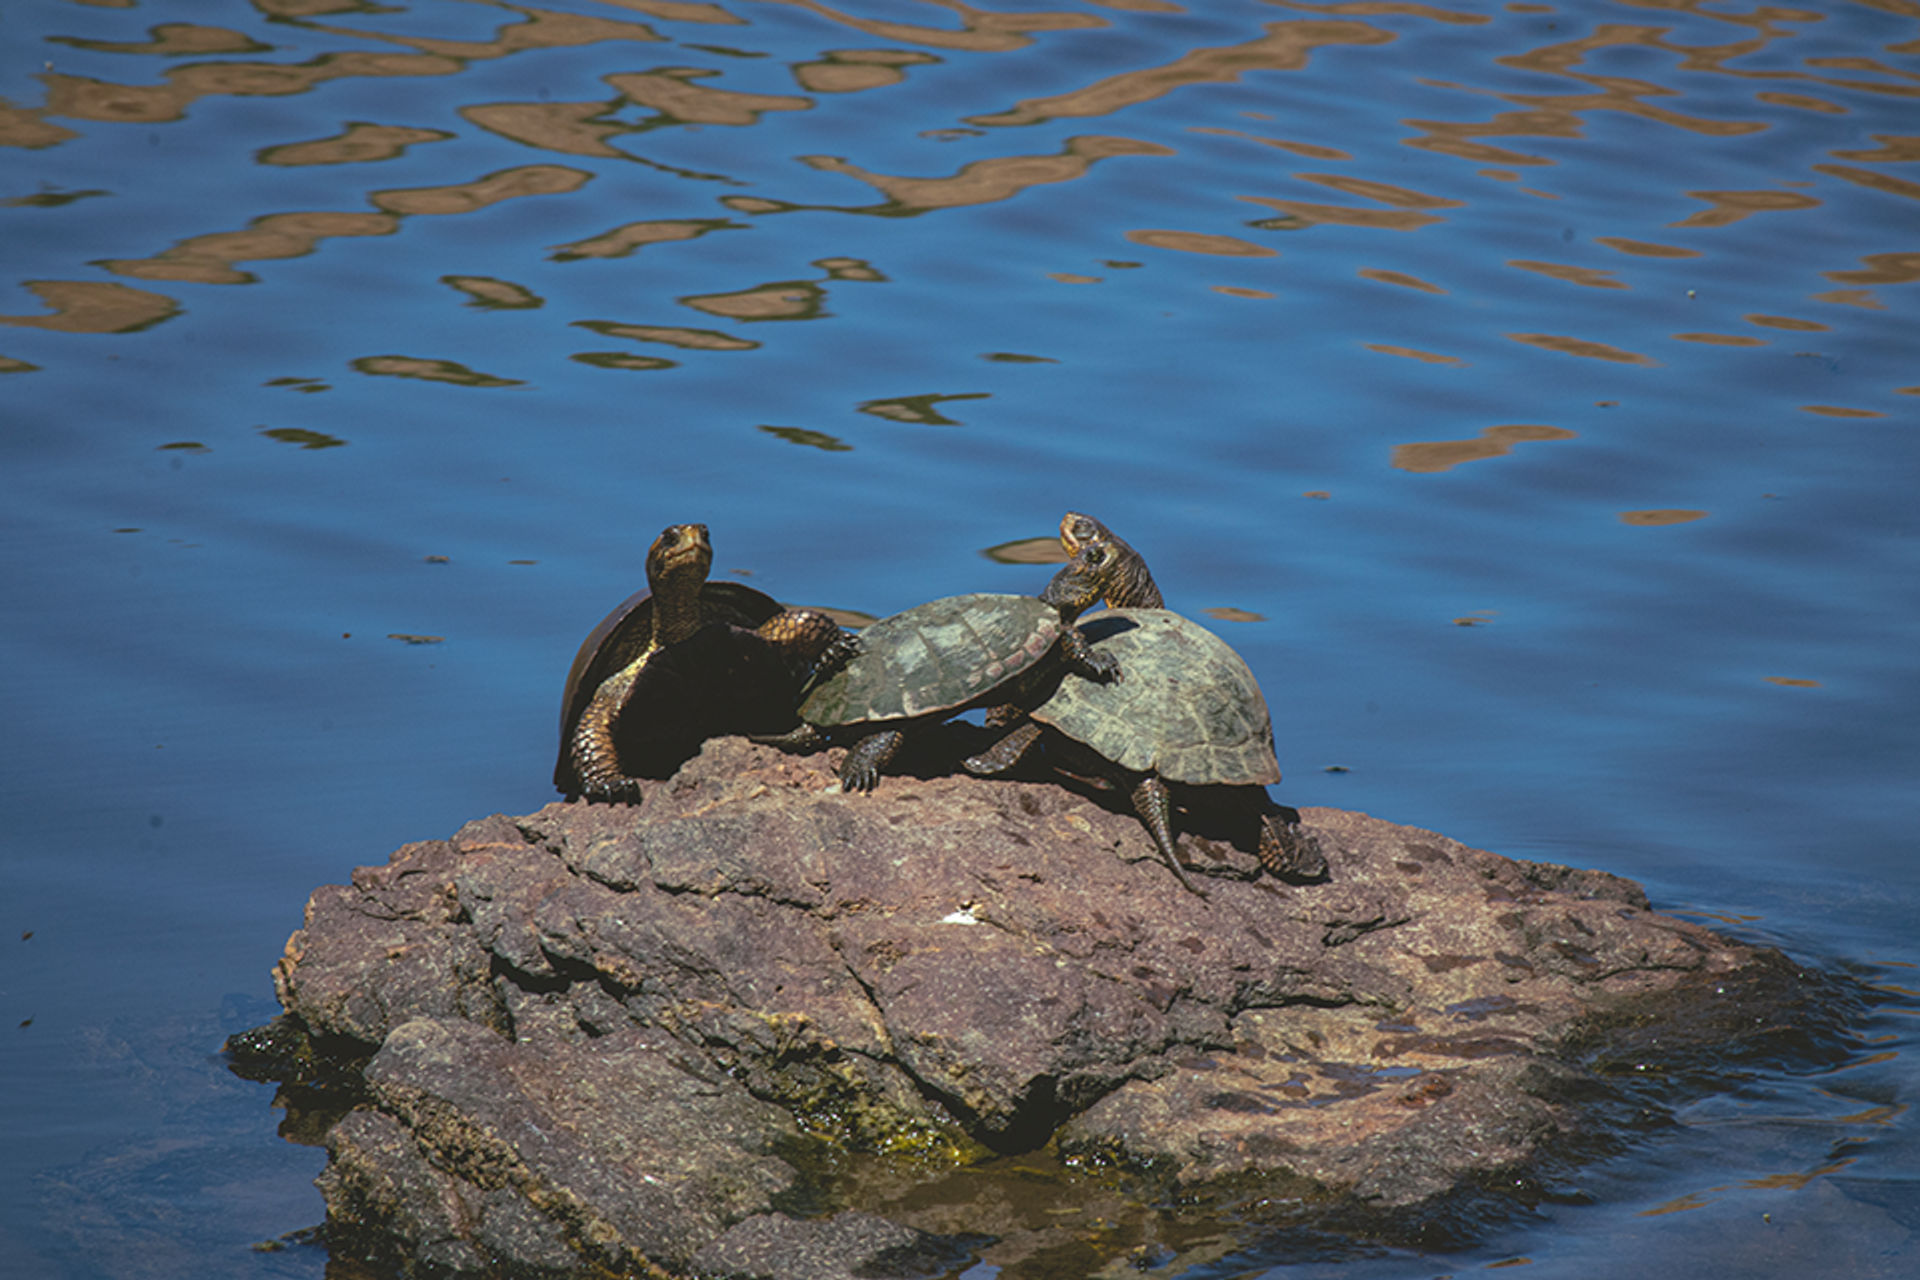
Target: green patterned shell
(936, 657)
(1188, 709)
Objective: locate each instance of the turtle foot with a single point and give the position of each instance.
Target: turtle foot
(860, 771)
(1290, 851)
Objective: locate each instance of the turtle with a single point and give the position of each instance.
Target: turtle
(1127, 583)
(1190, 713)
(935, 661)
(678, 663)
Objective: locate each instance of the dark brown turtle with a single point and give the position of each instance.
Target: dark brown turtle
(681, 662)
(935, 661)
(1190, 713)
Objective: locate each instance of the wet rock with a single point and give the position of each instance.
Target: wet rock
(617, 1038)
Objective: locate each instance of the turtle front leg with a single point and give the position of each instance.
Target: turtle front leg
(1082, 659)
(1004, 754)
(860, 771)
(1289, 850)
(1155, 807)
(810, 640)
(596, 760)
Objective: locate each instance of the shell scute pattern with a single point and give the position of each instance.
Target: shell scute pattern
(1190, 709)
(935, 657)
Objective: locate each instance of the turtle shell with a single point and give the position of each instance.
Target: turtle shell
(937, 657)
(621, 637)
(1188, 710)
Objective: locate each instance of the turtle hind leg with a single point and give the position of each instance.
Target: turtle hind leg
(860, 771)
(1004, 754)
(800, 741)
(1289, 850)
(1155, 807)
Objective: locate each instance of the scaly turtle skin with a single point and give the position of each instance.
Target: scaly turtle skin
(676, 664)
(1130, 585)
(937, 660)
(1190, 712)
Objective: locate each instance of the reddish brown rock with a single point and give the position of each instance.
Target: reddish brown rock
(631, 1038)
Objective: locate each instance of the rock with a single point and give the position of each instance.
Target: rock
(623, 1039)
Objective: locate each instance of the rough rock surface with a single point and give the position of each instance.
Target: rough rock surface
(639, 1039)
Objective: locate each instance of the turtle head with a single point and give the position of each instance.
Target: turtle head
(680, 558)
(1129, 583)
(1083, 580)
(1076, 528)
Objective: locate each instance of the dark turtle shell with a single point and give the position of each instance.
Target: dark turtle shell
(1189, 709)
(624, 633)
(937, 657)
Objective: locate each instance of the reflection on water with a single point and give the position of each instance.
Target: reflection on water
(1180, 264)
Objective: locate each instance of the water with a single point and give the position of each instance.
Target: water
(1534, 385)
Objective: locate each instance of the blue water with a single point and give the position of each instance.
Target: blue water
(325, 322)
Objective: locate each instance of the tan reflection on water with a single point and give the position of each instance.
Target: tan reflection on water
(790, 300)
(852, 70)
(1198, 242)
(1400, 278)
(688, 339)
(172, 39)
(1414, 353)
(95, 306)
(1310, 150)
(1662, 516)
(1583, 348)
(919, 409)
(621, 241)
(673, 94)
(1882, 268)
(209, 259)
(1287, 46)
(570, 128)
(1838, 411)
(540, 29)
(981, 31)
(495, 295)
(983, 181)
(1444, 455)
(1722, 339)
(1645, 248)
(430, 370)
(1730, 207)
(465, 197)
(1042, 550)
(360, 144)
(1587, 276)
